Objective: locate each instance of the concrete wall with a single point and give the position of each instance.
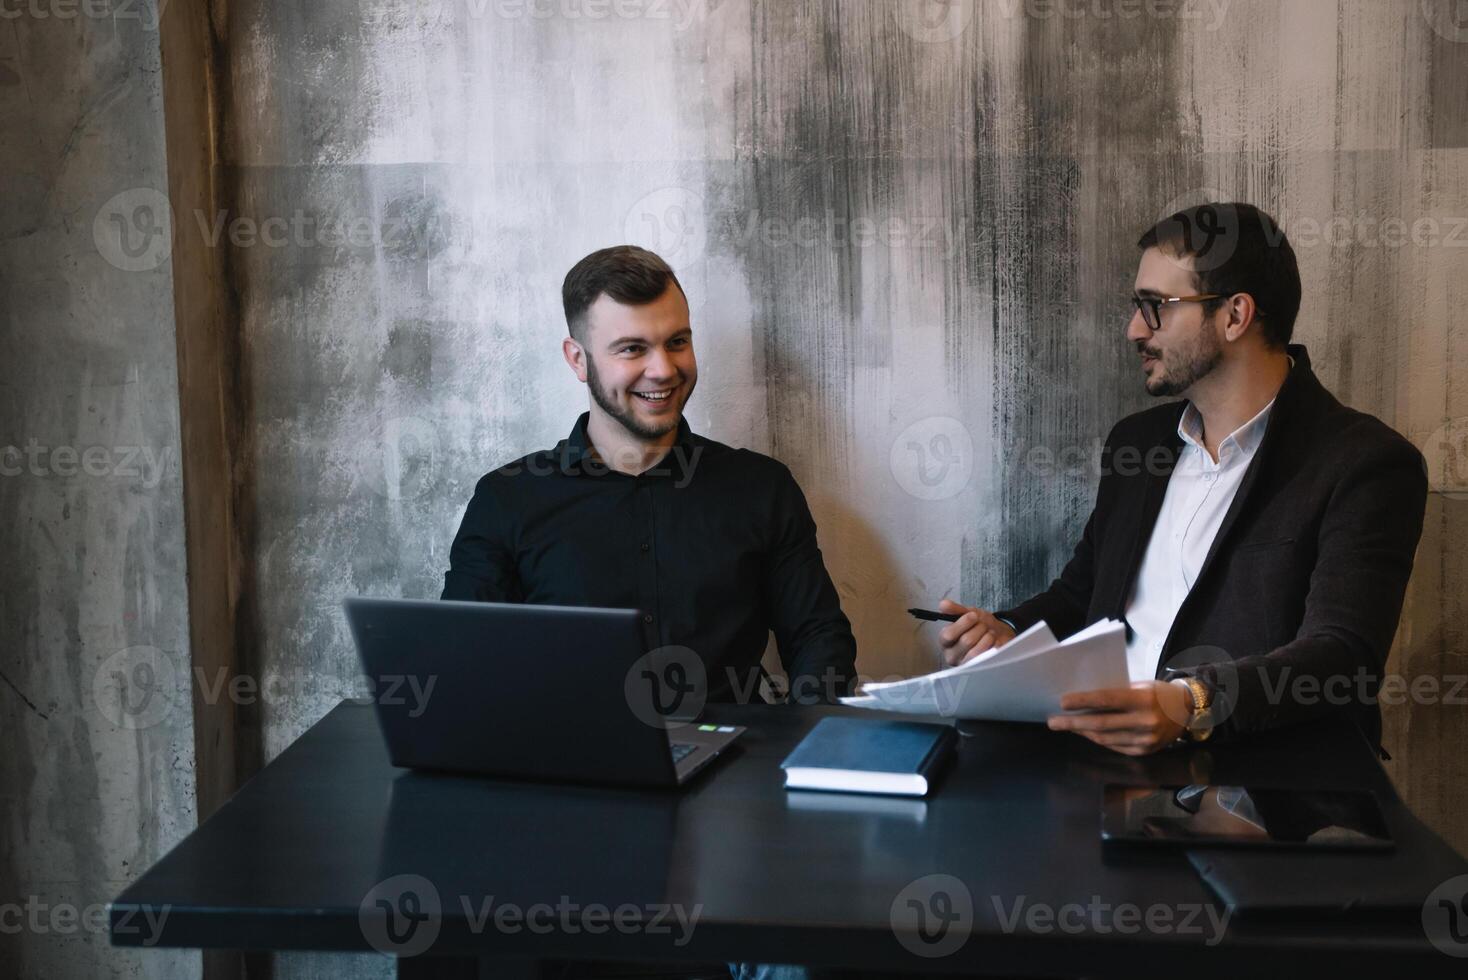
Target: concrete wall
(96, 772)
(906, 232)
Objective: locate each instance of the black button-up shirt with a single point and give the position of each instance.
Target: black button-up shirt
(714, 545)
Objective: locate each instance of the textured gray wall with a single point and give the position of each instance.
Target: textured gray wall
(93, 605)
(905, 229)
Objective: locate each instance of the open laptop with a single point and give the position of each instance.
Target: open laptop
(547, 692)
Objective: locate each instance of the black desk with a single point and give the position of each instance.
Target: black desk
(287, 863)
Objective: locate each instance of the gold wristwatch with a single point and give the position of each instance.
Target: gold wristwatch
(1200, 725)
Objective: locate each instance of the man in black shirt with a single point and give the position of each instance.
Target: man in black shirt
(714, 545)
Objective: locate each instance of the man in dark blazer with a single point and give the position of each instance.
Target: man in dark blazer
(1256, 537)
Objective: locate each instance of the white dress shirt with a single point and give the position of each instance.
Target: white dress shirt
(1199, 493)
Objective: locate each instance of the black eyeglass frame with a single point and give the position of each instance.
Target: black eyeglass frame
(1151, 306)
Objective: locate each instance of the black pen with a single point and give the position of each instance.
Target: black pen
(933, 616)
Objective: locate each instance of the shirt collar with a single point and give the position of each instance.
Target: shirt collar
(574, 455)
(1246, 438)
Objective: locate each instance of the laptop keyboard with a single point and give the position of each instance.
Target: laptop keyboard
(681, 751)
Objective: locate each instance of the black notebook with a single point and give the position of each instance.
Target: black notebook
(857, 755)
(1381, 884)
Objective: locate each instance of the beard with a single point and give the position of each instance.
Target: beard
(1185, 365)
(625, 416)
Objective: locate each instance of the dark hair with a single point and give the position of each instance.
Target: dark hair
(1236, 248)
(626, 273)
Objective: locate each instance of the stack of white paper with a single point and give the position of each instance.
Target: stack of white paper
(1019, 681)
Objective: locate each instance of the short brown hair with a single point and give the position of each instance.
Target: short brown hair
(626, 273)
(1238, 249)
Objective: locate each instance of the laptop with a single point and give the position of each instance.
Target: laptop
(562, 693)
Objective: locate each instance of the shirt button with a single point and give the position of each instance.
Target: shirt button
(646, 546)
(647, 617)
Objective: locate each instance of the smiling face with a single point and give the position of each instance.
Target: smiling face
(637, 361)
(1187, 347)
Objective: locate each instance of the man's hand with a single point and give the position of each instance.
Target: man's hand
(974, 632)
(1136, 720)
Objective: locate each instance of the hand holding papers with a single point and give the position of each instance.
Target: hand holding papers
(1022, 680)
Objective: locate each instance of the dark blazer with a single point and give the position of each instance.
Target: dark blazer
(1293, 612)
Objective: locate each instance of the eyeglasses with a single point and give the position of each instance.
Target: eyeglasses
(1151, 306)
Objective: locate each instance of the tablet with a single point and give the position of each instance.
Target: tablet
(1241, 816)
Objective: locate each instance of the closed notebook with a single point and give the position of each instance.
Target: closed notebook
(1405, 883)
(859, 755)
